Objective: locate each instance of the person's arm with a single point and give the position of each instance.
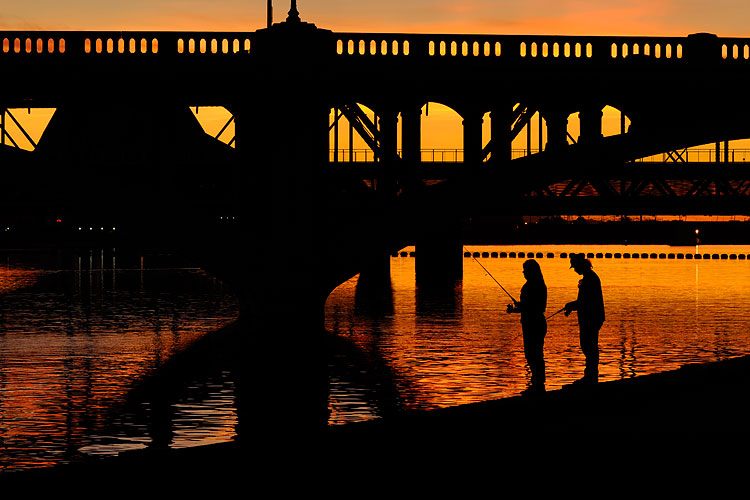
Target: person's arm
(571, 306)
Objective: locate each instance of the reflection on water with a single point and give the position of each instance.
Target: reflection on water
(78, 330)
(443, 347)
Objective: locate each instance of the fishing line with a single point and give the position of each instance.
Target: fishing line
(490, 275)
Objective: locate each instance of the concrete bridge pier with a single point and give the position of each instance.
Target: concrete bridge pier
(285, 260)
(591, 125)
(439, 253)
(376, 270)
(557, 129)
(411, 134)
(472, 122)
(500, 131)
(388, 124)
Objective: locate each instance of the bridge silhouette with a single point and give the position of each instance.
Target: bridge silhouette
(283, 217)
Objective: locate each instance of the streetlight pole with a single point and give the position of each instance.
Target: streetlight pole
(269, 11)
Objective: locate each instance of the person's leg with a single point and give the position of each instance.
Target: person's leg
(590, 348)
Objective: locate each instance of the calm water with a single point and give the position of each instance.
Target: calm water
(78, 330)
(438, 348)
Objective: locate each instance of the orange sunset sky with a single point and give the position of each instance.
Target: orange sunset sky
(622, 17)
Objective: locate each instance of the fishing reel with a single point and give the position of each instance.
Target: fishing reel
(511, 308)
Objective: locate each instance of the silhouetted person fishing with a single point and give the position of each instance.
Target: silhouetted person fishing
(590, 307)
(533, 323)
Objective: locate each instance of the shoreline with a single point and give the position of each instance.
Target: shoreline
(697, 405)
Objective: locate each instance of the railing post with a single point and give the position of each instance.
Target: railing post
(335, 135)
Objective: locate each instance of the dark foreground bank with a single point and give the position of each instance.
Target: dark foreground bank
(695, 415)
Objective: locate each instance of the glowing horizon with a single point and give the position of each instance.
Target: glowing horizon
(566, 17)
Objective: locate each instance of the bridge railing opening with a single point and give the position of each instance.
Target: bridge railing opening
(29, 43)
(459, 46)
(510, 46)
(735, 49)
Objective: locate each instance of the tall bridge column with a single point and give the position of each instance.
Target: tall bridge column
(388, 125)
(388, 120)
(500, 130)
(284, 263)
(473, 137)
(557, 129)
(591, 125)
(411, 134)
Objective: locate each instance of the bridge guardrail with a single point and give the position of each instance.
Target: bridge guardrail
(72, 43)
(699, 155)
(349, 44)
(691, 155)
(542, 47)
(509, 46)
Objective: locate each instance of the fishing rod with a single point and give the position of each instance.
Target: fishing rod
(490, 275)
(556, 313)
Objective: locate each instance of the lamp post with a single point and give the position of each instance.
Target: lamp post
(293, 16)
(269, 12)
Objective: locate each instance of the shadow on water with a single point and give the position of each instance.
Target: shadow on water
(363, 365)
(186, 375)
(280, 383)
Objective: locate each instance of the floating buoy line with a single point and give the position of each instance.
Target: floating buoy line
(595, 255)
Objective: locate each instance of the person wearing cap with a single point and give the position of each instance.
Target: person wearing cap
(532, 305)
(590, 308)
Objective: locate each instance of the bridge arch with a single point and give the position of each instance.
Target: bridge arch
(610, 122)
(614, 121)
(442, 132)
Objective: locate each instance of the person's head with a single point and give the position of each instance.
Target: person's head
(579, 263)
(532, 271)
